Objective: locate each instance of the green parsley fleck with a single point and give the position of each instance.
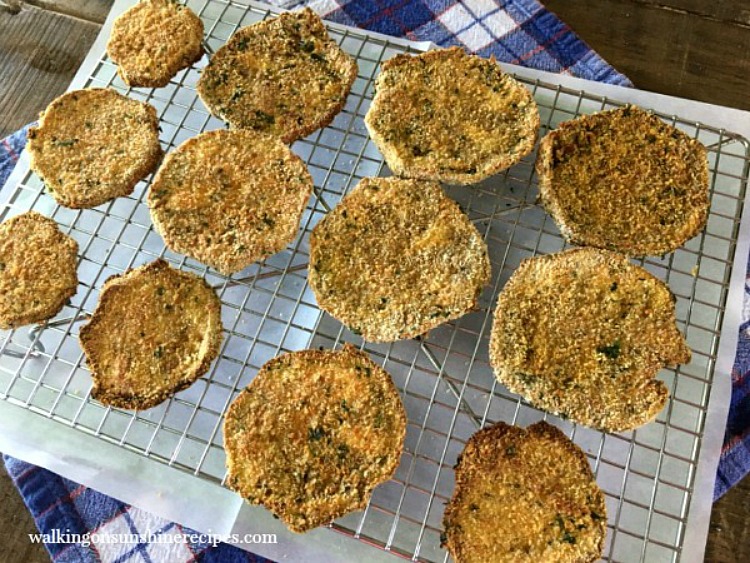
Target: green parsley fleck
(65, 143)
(315, 434)
(612, 351)
(264, 118)
(567, 537)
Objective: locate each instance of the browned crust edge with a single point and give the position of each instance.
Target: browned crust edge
(422, 329)
(318, 355)
(225, 266)
(347, 83)
(494, 166)
(138, 403)
(297, 133)
(327, 118)
(635, 422)
(53, 309)
(86, 203)
(659, 386)
(492, 435)
(365, 331)
(545, 174)
(141, 81)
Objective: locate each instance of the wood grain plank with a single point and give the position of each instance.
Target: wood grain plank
(729, 534)
(90, 10)
(727, 11)
(665, 51)
(39, 54)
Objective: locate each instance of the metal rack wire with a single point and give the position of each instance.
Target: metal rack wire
(445, 379)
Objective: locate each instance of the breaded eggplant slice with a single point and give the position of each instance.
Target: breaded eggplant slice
(397, 258)
(230, 198)
(624, 180)
(94, 145)
(449, 116)
(155, 330)
(524, 495)
(283, 76)
(153, 41)
(313, 434)
(582, 334)
(37, 269)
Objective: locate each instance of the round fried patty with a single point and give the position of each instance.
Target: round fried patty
(582, 334)
(284, 76)
(524, 495)
(396, 258)
(94, 145)
(313, 434)
(624, 180)
(37, 269)
(230, 198)
(154, 40)
(449, 116)
(155, 330)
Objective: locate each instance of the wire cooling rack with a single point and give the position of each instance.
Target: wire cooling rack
(446, 382)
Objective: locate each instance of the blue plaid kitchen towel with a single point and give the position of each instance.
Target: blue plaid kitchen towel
(521, 32)
(80, 525)
(735, 453)
(517, 31)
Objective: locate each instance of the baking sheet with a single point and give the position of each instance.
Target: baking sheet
(658, 480)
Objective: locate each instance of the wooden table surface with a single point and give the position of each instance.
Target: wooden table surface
(697, 49)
